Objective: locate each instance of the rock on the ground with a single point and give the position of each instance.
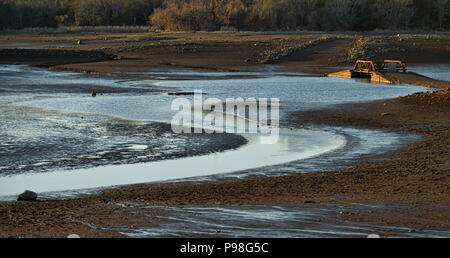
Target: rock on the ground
(27, 196)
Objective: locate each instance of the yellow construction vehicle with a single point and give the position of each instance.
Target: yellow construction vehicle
(368, 69)
(364, 67)
(393, 66)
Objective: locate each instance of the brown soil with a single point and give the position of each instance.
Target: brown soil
(414, 178)
(240, 51)
(416, 79)
(413, 49)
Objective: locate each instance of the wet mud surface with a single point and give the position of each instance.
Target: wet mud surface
(38, 141)
(400, 193)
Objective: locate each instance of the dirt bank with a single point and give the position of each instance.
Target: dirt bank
(316, 53)
(416, 79)
(51, 57)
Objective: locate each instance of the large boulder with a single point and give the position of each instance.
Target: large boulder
(27, 196)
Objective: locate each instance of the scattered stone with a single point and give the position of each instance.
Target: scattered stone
(79, 42)
(73, 236)
(373, 236)
(27, 196)
(386, 114)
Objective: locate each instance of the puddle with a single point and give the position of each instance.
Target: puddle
(262, 221)
(438, 72)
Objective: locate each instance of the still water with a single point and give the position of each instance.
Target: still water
(56, 137)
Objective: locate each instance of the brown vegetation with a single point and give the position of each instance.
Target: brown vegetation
(239, 14)
(295, 14)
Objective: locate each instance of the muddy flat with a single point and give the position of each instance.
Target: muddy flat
(406, 191)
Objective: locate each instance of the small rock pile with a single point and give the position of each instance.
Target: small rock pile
(440, 97)
(370, 47)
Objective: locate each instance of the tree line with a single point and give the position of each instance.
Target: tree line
(18, 14)
(176, 15)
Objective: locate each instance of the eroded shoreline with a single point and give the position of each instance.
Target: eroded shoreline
(414, 179)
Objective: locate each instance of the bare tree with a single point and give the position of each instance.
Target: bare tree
(391, 14)
(303, 8)
(442, 7)
(407, 11)
(343, 14)
(235, 13)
